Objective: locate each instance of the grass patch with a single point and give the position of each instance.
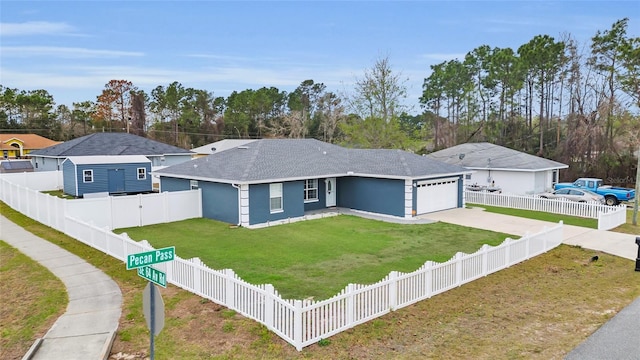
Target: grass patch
(629, 228)
(316, 258)
(59, 193)
(539, 215)
(32, 299)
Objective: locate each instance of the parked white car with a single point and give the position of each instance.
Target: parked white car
(573, 194)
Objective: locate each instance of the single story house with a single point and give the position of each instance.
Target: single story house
(109, 144)
(514, 172)
(218, 146)
(277, 179)
(17, 146)
(125, 174)
(15, 166)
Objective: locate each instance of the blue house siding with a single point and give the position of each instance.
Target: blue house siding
(292, 202)
(321, 202)
(174, 184)
(69, 178)
(168, 160)
(384, 196)
(46, 164)
(101, 177)
(219, 201)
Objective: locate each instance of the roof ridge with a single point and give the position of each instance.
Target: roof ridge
(253, 158)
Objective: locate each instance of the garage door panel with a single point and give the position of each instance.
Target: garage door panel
(436, 196)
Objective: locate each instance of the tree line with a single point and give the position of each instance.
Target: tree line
(557, 98)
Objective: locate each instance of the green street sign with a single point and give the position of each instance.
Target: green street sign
(153, 275)
(138, 260)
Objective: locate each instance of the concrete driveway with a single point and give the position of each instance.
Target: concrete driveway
(622, 245)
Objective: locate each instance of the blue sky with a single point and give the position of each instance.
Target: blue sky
(73, 48)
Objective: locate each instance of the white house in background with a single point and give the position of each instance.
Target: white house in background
(219, 146)
(512, 171)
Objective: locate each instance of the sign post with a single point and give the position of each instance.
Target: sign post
(152, 304)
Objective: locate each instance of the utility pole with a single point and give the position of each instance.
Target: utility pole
(635, 203)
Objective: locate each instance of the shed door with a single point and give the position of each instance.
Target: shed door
(436, 195)
(116, 180)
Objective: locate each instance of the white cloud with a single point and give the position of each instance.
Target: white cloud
(64, 52)
(35, 28)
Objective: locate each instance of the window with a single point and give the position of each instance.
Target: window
(193, 184)
(467, 176)
(275, 197)
(311, 190)
(87, 176)
(142, 173)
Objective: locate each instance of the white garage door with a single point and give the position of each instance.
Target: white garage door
(436, 195)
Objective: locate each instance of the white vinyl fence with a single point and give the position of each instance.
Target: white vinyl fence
(299, 322)
(305, 322)
(111, 212)
(608, 217)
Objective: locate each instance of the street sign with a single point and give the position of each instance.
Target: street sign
(153, 312)
(153, 275)
(150, 257)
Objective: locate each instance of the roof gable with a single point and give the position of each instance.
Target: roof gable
(110, 144)
(27, 141)
(282, 159)
(490, 156)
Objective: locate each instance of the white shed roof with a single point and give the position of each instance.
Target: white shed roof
(116, 159)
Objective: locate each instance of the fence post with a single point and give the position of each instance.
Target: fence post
(350, 305)
(428, 265)
(140, 210)
(507, 252)
(197, 275)
(268, 306)
(459, 256)
(297, 324)
(485, 259)
(229, 288)
(393, 290)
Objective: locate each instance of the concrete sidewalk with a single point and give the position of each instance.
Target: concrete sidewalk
(87, 329)
(619, 338)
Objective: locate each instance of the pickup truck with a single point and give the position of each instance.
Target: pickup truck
(612, 195)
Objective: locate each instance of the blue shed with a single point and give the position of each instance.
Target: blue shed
(124, 174)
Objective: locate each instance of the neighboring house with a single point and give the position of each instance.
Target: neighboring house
(15, 166)
(125, 174)
(16, 146)
(108, 144)
(512, 171)
(218, 146)
(276, 179)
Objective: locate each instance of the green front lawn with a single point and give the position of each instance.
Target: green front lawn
(539, 215)
(316, 258)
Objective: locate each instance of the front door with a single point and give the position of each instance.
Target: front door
(116, 180)
(330, 187)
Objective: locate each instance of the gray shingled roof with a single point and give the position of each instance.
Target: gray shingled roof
(485, 155)
(16, 165)
(281, 159)
(110, 144)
